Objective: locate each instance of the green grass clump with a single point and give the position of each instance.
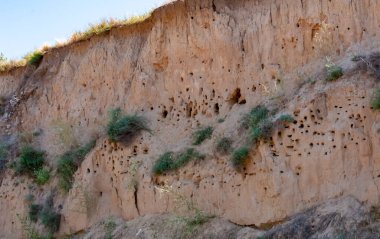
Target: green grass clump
(257, 120)
(35, 57)
(170, 161)
(31, 160)
(202, 134)
(256, 116)
(375, 102)
(124, 128)
(3, 155)
(42, 176)
(3, 103)
(109, 227)
(239, 157)
(46, 214)
(164, 163)
(50, 219)
(334, 72)
(224, 145)
(69, 162)
(34, 210)
(286, 118)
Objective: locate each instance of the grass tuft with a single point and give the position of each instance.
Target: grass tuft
(35, 57)
(223, 145)
(239, 157)
(109, 227)
(375, 102)
(34, 210)
(69, 162)
(105, 26)
(334, 72)
(31, 160)
(286, 118)
(42, 176)
(50, 219)
(202, 134)
(125, 128)
(170, 161)
(259, 124)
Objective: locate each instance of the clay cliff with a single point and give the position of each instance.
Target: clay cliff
(196, 64)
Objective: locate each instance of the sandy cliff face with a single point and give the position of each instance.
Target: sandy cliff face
(190, 64)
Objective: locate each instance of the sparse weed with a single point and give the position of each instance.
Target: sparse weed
(49, 217)
(223, 145)
(31, 232)
(189, 217)
(239, 157)
(3, 102)
(69, 162)
(3, 155)
(109, 227)
(125, 128)
(202, 134)
(370, 63)
(375, 102)
(65, 133)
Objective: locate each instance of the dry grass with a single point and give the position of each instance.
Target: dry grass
(35, 57)
(105, 26)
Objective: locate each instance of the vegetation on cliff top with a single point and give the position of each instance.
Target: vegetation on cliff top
(35, 57)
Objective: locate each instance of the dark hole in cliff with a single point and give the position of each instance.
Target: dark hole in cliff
(242, 102)
(235, 96)
(216, 108)
(164, 114)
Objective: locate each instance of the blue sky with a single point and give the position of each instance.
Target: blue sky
(28, 24)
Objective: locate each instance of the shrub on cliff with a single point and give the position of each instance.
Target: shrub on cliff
(334, 72)
(170, 161)
(223, 146)
(124, 128)
(3, 155)
(202, 134)
(239, 157)
(42, 176)
(34, 210)
(258, 123)
(375, 102)
(30, 161)
(69, 162)
(35, 57)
